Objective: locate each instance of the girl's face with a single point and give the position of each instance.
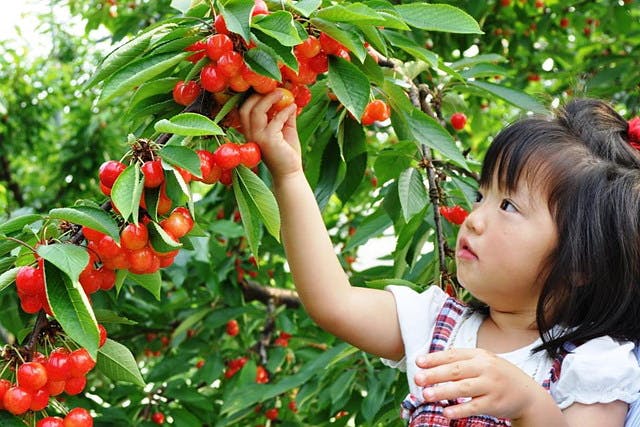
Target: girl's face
(503, 246)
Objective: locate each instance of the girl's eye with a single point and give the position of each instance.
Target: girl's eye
(506, 205)
(478, 197)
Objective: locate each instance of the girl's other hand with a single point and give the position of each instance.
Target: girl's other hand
(277, 137)
(496, 386)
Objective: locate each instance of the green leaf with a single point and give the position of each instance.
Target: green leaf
(391, 161)
(411, 47)
(263, 200)
(108, 316)
(350, 85)
(69, 304)
(262, 62)
(88, 216)
(438, 17)
(116, 362)
(181, 5)
(275, 49)
(467, 62)
(279, 25)
(151, 282)
(342, 385)
(372, 226)
(152, 88)
(512, 96)
(8, 277)
(382, 283)
(345, 34)
(305, 7)
(122, 55)
(18, 223)
(126, 192)
(183, 157)
(248, 213)
(160, 240)
(413, 196)
(137, 73)
(189, 124)
(237, 15)
(71, 259)
(355, 13)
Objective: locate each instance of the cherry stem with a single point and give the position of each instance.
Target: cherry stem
(20, 242)
(41, 323)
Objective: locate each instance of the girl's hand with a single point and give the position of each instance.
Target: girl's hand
(496, 386)
(277, 138)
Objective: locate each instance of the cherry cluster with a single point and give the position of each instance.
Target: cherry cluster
(31, 288)
(454, 214)
(46, 376)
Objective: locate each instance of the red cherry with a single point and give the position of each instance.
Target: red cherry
(75, 385)
(210, 170)
(271, 414)
(250, 154)
(286, 100)
(292, 406)
(4, 386)
(29, 281)
(211, 79)
(178, 224)
(32, 376)
(78, 417)
(230, 63)
(564, 22)
(50, 422)
(454, 214)
(226, 177)
(106, 277)
(329, 45)
(319, 64)
(220, 25)
(103, 335)
(89, 280)
(197, 47)
(218, 45)
(55, 388)
(378, 110)
(232, 328)
(153, 172)
(141, 260)
(134, 236)
(92, 235)
(40, 400)
(227, 156)
(262, 376)
(80, 362)
(308, 48)
(58, 365)
(110, 171)
(186, 93)
(458, 120)
(30, 304)
(302, 95)
(157, 417)
(108, 248)
(260, 8)
(17, 400)
(238, 83)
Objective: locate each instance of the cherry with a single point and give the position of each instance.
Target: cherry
(227, 156)
(58, 365)
(40, 400)
(153, 172)
(230, 63)
(211, 79)
(186, 93)
(292, 406)
(80, 362)
(141, 261)
(55, 388)
(32, 376)
(238, 83)
(157, 417)
(260, 8)
(75, 385)
(262, 376)
(4, 386)
(106, 278)
(220, 25)
(134, 236)
(376, 110)
(454, 214)
(50, 422)
(271, 414)
(286, 99)
(208, 167)
(250, 154)
(78, 417)
(302, 95)
(30, 304)
(564, 22)
(308, 48)
(92, 235)
(218, 45)
(179, 223)
(458, 120)
(103, 335)
(226, 177)
(164, 202)
(329, 45)
(17, 400)
(30, 281)
(319, 64)
(232, 328)
(110, 171)
(108, 248)
(198, 47)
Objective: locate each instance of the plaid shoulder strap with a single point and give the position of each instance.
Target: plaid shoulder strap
(449, 316)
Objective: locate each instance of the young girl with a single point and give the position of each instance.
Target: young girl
(551, 248)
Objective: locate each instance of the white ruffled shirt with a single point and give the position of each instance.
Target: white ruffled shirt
(601, 370)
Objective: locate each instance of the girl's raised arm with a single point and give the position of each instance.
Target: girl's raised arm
(364, 317)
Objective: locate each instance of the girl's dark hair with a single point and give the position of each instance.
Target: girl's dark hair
(591, 175)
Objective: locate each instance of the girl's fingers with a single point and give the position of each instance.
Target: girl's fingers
(281, 118)
(475, 406)
(454, 371)
(470, 387)
(447, 356)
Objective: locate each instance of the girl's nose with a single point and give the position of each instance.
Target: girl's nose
(475, 221)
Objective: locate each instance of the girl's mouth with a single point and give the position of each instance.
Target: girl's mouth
(464, 251)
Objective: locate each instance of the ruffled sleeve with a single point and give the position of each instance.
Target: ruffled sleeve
(600, 371)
